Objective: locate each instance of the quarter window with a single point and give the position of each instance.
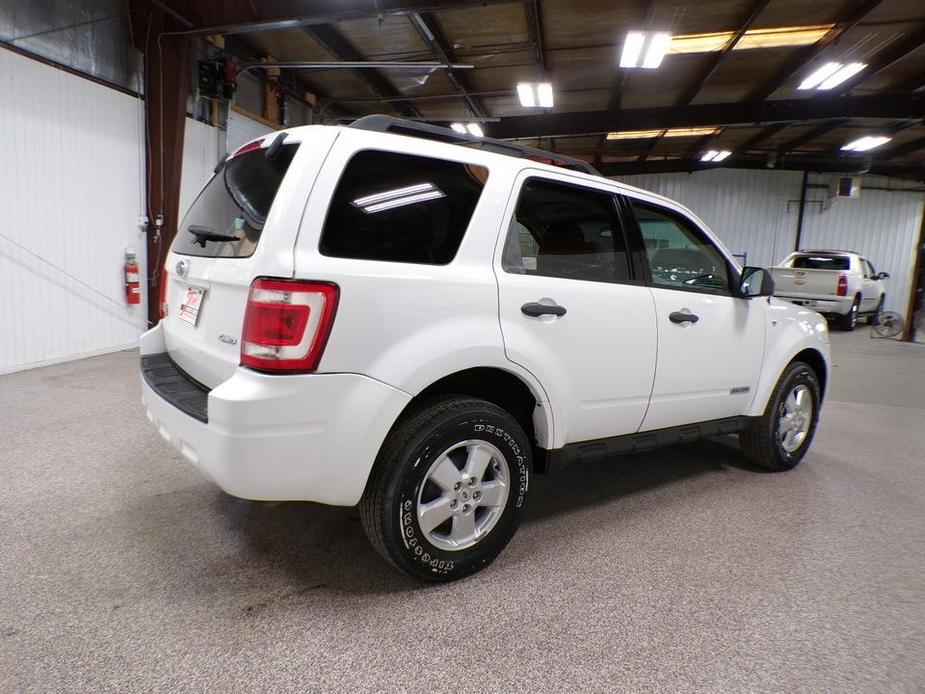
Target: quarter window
(561, 230)
(401, 208)
(680, 257)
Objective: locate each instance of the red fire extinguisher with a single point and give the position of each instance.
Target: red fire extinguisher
(132, 277)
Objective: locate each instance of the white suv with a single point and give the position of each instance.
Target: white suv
(417, 321)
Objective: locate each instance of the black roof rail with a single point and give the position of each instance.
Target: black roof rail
(400, 126)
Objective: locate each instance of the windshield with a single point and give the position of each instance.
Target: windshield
(228, 216)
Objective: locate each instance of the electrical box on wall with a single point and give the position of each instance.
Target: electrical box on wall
(845, 187)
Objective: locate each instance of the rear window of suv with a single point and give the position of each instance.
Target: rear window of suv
(227, 218)
(401, 208)
(822, 262)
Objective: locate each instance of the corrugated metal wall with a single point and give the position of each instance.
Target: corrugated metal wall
(202, 149)
(746, 209)
(242, 129)
(70, 196)
(755, 212)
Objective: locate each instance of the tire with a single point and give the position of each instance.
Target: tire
(874, 318)
(455, 431)
(763, 442)
(849, 321)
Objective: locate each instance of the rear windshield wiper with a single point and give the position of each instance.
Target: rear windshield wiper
(204, 234)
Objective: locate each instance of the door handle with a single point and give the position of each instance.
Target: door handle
(536, 309)
(681, 317)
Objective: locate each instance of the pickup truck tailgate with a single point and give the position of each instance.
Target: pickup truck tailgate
(804, 283)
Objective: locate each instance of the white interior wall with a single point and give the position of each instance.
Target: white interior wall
(242, 129)
(747, 209)
(71, 192)
(755, 212)
(202, 149)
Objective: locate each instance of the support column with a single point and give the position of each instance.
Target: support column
(167, 74)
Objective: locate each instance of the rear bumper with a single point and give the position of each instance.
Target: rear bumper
(310, 437)
(826, 306)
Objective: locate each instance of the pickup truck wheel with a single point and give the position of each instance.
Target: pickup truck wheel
(448, 488)
(779, 439)
(850, 320)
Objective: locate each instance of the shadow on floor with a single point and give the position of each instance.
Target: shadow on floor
(283, 551)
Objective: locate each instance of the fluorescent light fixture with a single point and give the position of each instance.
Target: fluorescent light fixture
(535, 94)
(632, 49)
(658, 44)
(655, 45)
(397, 197)
(865, 143)
(671, 132)
(845, 73)
(820, 75)
(476, 130)
(526, 95)
(459, 127)
(544, 94)
(715, 155)
(831, 75)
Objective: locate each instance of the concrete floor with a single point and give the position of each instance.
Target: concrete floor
(681, 570)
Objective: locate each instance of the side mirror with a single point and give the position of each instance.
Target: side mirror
(882, 276)
(754, 282)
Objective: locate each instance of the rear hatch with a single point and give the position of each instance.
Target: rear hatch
(811, 276)
(215, 256)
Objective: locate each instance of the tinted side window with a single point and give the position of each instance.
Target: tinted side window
(679, 255)
(401, 208)
(567, 231)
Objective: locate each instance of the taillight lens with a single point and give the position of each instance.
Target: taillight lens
(249, 147)
(162, 294)
(287, 323)
(842, 285)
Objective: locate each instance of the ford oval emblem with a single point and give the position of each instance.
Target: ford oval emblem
(182, 268)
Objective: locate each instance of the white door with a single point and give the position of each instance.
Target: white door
(570, 311)
(710, 343)
(870, 288)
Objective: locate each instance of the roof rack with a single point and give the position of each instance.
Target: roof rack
(400, 126)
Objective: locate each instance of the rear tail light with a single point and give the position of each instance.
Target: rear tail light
(162, 294)
(842, 285)
(287, 323)
(248, 147)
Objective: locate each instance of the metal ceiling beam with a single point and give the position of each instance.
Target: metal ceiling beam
(431, 33)
(716, 59)
(616, 98)
(701, 144)
(902, 150)
(892, 106)
(891, 55)
(810, 53)
(758, 138)
(811, 135)
(847, 165)
(331, 40)
(653, 143)
(534, 15)
(359, 10)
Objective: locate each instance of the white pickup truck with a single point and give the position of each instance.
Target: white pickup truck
(838, 284)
